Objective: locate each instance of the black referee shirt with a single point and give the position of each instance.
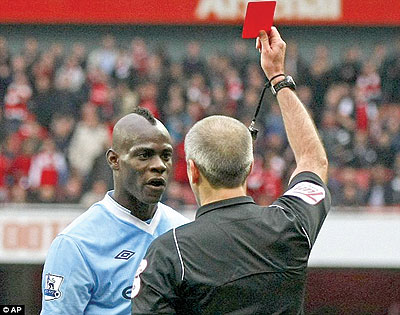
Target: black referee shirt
(236, 257)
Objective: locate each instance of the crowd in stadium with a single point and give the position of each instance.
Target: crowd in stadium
(59, 104)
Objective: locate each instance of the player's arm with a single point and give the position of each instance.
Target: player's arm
(67, 280)
(300, 129)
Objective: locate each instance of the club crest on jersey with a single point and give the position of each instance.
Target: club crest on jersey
(52, 287)
(308, 192)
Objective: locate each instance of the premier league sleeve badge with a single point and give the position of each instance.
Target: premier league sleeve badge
(52, 287)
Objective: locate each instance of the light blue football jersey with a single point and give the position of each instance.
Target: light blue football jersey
(90, 266)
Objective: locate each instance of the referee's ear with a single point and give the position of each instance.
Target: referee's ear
(247, 177)
(193, 172)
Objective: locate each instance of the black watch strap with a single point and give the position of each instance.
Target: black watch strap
(286, 82)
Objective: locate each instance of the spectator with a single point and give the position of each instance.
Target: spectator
(355, 103)
(57, 51)
(21, 164)
(66, 102)
(4, 170)
(248, 105)
(100, 93)
(379, 192)
(384, 153)
(192, 62)
(274, 121)
(140, 56)
(295, 64)
(350, 192)
(240, 56)
(350, 196)
(87, 141)
(320, 79)
(173, 196)
(395, 182)
(100, 171)
(5, 55)
(44, 101)
(369, 83)
(123, 70)
(5, 80)
(392, 127)
(378, 56)
(96, 193)
(176, 74)
(79, 53)
(104, 57)
(61, 129)
(390, 71)
(47, 193)
(16, 101)
(254, 77)
(363, 154)
(234, 85)
(177, 121)
(221, 103)
(125, 101)
(332, 136)
(30, 53)
(198, 91)
(148, 92)
(48, 167)
(3, 129)
(155, 69)
(71, 192)
(18, 194)
(44, 67)
(349, 69)
(72, 74)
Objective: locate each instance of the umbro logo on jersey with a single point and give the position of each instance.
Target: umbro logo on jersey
(125, 254)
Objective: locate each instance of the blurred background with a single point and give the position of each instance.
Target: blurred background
(69, 70)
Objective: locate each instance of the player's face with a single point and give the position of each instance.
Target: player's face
(145, 166)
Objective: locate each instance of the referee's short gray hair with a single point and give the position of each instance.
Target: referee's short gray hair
(222, 149)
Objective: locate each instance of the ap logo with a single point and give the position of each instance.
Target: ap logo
(52, 287)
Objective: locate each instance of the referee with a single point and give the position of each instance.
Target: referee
(238, 257)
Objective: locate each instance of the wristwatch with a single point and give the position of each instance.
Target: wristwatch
(286, 82)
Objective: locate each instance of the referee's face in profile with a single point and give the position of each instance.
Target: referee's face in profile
(145, 163)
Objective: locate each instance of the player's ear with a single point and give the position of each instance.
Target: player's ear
(193, 172)
(112, 159)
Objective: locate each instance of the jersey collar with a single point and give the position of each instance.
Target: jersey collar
(223, 203)
(125, 214)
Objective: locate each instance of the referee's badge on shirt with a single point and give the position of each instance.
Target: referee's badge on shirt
(52, 287)
(308, 192)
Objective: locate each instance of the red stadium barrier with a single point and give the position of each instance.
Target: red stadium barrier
(291, 12)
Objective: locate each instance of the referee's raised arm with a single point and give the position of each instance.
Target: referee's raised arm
(301, 131)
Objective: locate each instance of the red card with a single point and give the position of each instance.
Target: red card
(259, 16)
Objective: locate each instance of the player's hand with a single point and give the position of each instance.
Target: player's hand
(272, 49)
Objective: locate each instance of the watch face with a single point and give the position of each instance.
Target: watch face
(290, 80)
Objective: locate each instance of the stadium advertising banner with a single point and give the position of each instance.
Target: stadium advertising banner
(288, 12)
(26, 234)
(350, 240)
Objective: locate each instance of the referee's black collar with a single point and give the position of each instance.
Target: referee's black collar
(223, 203)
